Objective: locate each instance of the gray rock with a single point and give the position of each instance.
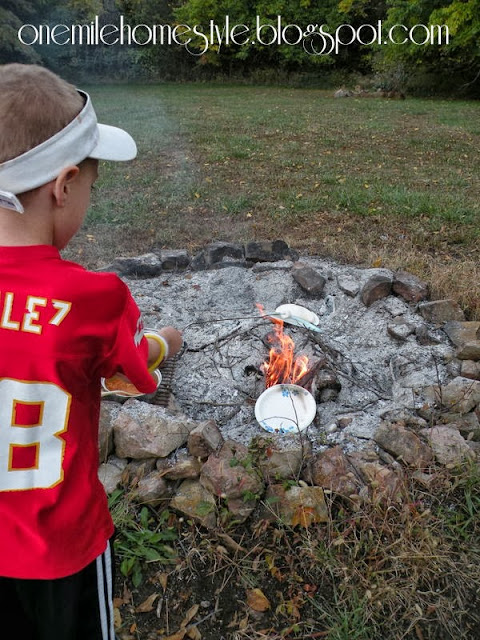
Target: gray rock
(404, 445)
(425, 336)
(196, 502)
(148, 265)
(143, 430)
(284, 459)
(462, 332)
(470, 369)
(461, 395)
(383, 482)
(268, 251)
(175, 259)
(296, 506)
(223, 251)
(449, 447)
(205, 438)
(224, 475)
(110, 476)
(108, 412)
(400, 329)
(138, 469)
(309, 279)
(331, 470)
(468, 424)
(152, 489)
(181, 467)
(378, 286)
(348, 285)
(409, 287)
(440, 311)
(469, 351)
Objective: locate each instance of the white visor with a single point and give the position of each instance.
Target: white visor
(82, 138)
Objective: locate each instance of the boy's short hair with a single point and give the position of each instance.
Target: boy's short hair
(35, 104)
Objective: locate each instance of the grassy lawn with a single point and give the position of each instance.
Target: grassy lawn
(368, 181)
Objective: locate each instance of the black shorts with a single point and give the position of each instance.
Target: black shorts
(78, 607)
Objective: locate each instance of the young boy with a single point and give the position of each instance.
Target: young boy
(62, 329)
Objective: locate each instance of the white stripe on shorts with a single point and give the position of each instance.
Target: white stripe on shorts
(105, 593)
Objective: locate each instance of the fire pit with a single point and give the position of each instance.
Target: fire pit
(359, 371)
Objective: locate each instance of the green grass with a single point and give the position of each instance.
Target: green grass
(243, 163)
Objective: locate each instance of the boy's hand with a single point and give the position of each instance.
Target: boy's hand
(172, 337)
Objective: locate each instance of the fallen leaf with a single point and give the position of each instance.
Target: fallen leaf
(117, 618)
(191, 613)
(194, 634)
(147, 605)
(257, 600)
(180, 635)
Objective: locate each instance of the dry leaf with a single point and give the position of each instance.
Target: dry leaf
(180, 635)
(257, 600)
(191, 613)
(117, 618)
(147, 605)
(194, 634)
(304, 516)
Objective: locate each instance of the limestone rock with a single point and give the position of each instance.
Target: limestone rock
(331, 470)
(383, 482)
(449, 447)
(440, 311)
(224, 475)
(110, 476)
(468, 425)
(425, 336)
(400, 329)
(470, 369)
(108, 413)
(180, 468)
(296, 506)
(309, 279)
(462, 332)
(196, 502)
(461, 395)
(152, 489)
(378, 286)
(283, 458)
(469, 351)
(409, 287)
(404, 445)
(138, 469)
(205, 438)
(348, 285)
(143, 430)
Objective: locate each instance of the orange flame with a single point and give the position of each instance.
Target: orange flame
(282, 367)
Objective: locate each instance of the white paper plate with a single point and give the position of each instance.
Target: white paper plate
(285, 408)
(292, 313)
(125, 394)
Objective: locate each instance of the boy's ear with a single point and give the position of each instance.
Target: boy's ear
(62, 183)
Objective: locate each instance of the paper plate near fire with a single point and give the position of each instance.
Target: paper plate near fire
(285, 409)
(297, 316)
(117, 386)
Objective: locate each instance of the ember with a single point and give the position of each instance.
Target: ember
(282, 367)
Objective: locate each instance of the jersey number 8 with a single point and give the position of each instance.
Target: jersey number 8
(33, 415)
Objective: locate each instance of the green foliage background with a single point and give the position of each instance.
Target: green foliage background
(452, 68)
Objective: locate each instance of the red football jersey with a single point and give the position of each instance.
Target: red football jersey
(61, 329)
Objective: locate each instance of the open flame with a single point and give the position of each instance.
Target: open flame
(282, 367)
